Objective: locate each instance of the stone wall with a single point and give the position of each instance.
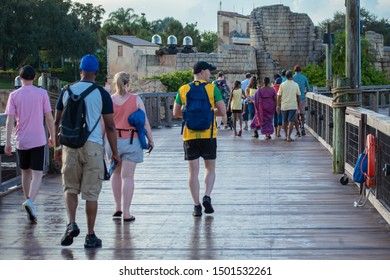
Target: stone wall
(234, 60)
(283, 39)
(382, 53)
(386, 61)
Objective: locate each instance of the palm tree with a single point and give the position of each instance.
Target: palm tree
(123, 19)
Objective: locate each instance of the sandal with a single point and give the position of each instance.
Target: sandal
(130, 219)
(117, 215)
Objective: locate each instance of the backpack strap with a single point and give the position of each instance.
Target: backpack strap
(83, 95)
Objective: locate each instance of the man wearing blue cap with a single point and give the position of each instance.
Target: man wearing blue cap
(82, 169)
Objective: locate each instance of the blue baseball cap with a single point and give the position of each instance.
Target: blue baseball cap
(89, 63)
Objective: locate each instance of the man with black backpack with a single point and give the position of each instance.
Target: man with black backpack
(79, 111)
(198, 103)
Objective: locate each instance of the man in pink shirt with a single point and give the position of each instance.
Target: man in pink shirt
(30, 106)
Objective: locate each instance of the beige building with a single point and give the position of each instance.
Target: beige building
(232, 28)
(128, 53)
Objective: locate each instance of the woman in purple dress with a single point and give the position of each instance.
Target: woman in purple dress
(264, 101)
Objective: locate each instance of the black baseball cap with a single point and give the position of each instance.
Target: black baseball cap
(27, 72)
(203, 65)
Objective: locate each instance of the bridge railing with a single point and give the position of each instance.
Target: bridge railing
(159, 108)
(9, 167)
(359, 122)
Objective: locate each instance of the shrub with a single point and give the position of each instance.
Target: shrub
(173, 81)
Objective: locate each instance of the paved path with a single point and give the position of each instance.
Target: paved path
(273, 200)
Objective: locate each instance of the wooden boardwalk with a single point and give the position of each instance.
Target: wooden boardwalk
(273, 200)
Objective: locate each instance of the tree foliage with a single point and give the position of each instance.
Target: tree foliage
(51, 28)
(369, 21)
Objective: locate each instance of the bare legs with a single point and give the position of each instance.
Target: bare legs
(193, 180)
(122, 183)
(31, 182)
(288, 129)
(237, 117)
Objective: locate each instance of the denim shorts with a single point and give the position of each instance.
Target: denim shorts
(289, 115)
(128, 152)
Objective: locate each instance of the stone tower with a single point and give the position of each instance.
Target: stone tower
(283, 39)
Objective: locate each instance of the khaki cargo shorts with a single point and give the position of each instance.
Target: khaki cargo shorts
(83, 171)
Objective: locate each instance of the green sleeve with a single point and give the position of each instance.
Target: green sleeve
(178, 99)
(217, 95)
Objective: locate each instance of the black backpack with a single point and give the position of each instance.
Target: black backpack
(74, 130)
(198, 113)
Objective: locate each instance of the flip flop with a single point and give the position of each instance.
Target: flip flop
(290, 140)
(117, 215)
(131, 219)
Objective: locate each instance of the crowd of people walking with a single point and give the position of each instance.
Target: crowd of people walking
(268, 107)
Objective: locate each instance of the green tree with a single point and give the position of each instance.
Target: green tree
(49, 30)
(369, 21)
(124, 19)
(209, 42)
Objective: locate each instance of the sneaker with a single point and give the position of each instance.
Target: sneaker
(30, 209)
(72, 230)
(297, 134)
(197, 211)
(303, 132)
(91, 241)
(208, 208)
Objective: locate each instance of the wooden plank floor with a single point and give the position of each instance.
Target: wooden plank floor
(273, 200)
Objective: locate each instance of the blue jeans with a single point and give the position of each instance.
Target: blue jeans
(251, 109)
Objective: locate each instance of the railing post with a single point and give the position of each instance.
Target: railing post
(343, 96)
(168, 110)
(374, 101)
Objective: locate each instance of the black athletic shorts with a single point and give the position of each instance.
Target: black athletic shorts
(205, 148)
(32, 158)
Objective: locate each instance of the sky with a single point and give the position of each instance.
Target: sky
(204, 12)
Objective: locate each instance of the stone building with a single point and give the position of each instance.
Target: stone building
(233, 28)
(283, 39)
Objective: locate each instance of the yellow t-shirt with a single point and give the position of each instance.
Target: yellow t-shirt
(288, 91)
(236, 103)
(214, 96)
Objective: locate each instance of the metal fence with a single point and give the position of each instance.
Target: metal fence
(359, 122)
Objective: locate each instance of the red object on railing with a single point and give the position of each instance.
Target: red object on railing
(370, 150)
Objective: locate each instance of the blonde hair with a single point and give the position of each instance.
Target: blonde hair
(121, 79)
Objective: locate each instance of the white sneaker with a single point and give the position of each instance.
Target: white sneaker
(30, 209)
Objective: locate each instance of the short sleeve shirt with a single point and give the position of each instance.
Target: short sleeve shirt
(29, 104)
(288, 91)
(214, 96)
(98, 103)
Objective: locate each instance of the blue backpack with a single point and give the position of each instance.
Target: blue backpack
(361, 168)
(198, 113)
